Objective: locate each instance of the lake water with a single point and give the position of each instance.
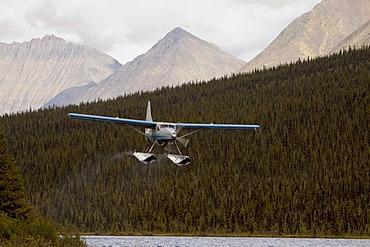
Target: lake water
(123, 241)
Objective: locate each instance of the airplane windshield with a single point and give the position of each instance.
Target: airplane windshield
(171, 126)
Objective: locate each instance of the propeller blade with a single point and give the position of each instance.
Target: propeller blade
(183, 141)
(178, 129)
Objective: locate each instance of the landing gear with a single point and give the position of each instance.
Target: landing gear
(145, 158)
(177, 158)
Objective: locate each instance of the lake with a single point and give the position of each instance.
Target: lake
(123, 241)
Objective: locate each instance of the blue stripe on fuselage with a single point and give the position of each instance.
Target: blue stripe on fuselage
(160, 137)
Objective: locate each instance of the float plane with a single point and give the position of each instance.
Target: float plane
(163, 134)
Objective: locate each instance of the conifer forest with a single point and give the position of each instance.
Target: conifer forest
(19, 224)
(306, 171)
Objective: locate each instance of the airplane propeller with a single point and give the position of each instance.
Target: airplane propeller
(182, 140)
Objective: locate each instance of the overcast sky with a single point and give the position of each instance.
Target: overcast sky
(125, 29)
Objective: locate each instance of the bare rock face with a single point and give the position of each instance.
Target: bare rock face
(315, 33)
(32, 73)
(359, 38)
(67, 96)
(178, 58)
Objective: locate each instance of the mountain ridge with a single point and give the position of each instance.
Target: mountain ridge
(314, 33)
(33, 72)
(178, 58)
(358, 38)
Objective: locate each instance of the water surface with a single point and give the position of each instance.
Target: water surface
(123, 241)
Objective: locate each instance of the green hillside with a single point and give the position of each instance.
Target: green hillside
(19, 225)
(306, 171)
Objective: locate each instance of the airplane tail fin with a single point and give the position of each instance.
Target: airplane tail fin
(148, 113)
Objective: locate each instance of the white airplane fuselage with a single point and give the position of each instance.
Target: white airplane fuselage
(163, 133)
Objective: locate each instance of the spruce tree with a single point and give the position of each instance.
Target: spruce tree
(13, 201)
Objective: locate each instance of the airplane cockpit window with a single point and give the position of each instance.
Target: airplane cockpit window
(171, 126)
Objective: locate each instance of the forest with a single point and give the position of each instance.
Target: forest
(20, 225)
(306, 171)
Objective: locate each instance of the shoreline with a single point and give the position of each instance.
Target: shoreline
(221, 235)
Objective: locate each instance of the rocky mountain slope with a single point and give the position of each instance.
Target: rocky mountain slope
(178, 58)
(32, 73)
(357, 39)
(315, 33)
(50, 71)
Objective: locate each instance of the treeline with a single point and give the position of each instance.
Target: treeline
(306, 171)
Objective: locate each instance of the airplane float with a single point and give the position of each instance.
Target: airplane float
(162, 134)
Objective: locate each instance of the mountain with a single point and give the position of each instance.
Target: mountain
(315, 33)
(68, 95)
(357, 39)
(178, 58)
(32, 73)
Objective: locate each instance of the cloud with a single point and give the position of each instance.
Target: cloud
(125, 29)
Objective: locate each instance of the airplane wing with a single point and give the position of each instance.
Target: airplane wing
(152, 125)
(216, 126)
(132, 122)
